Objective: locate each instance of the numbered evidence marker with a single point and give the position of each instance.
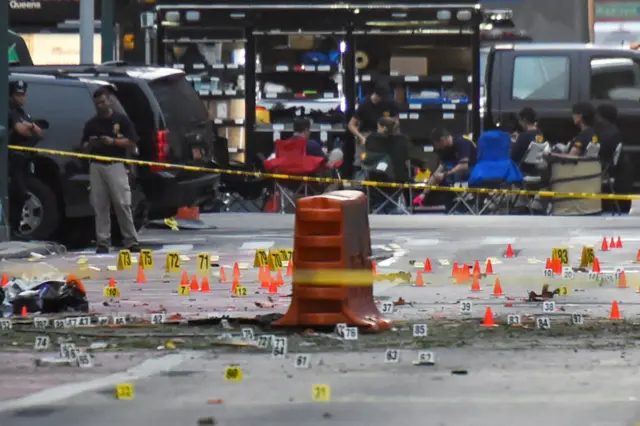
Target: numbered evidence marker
(286, 254)
(391, 356)
(568, 274)
(39, 322)
(275, 261)
(264, 341)
(173, 263)
(159, 318)
(548, 307)
(184, 290)
(247, 334)
(5, 325)
(466, 307)
(84, 359)
(102, 321)
(387, 308)
(543, 323)
(577, 319)
(420, 330)
(146, 259)
(562, 254)
(261, 258)
(279, 347)
(124, 260)
(111, 292)
(125, 391)
(233, 373)
(587, 257)
(321, 393)
(593, 276)
(548, 273)
(241, 291)
(425, 358)
(204, 264)
(68, 351)
(564, 291)
(59, 323)
(350, 333)
(302, 361)
(514, 320)
(340, 329)
(41, 343)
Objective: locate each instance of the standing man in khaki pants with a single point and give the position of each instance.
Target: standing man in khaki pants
(110, 134)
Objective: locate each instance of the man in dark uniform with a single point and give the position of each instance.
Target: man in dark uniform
(583, 116)
(365, 120)
(457, 156)
(110, 134)
(530, 133)
(22, 131)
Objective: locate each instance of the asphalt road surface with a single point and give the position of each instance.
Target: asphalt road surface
(564, 377)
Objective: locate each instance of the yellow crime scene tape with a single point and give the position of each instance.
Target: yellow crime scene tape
(313, 179)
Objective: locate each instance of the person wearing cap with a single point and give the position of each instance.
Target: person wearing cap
(110, 134)
(365, 119)
(24, 132)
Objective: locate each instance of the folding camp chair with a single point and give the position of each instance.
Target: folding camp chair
(290, 158)
(533, 166)
(496, 171)
(386, 199)
(608, 180)
(463, 202)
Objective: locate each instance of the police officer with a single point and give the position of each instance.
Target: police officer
(22, 131)
(110, 134)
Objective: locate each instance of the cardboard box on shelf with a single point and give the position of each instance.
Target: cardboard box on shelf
(408, 65)
(230, 109)
(301, 42)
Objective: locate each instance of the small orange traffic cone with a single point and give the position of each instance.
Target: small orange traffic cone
(279, 280)
(223, 275)
(427, 265)
(273, 287)
(234, 286)
(205, 285)
(475, 285)
(194, 283)
(549, 264)
(455, 270)
(604, 246)
(596, 265)
(497, 288)
(236, 270)
(264, 282)
(622, 280)
(290, 268)
(619, 242)
(5, 278)
(141, 278)
(488, 318)
(637, 260)
(557, 266)
(615, 311)
(476, 268)
(185, 279)
(374, 268)
(489, 268)
(23, 311)
(419, 279)
(264, 273)
(612, 243)
(112, 283)
(509, 252)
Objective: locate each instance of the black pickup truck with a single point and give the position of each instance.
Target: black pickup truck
(552, 77)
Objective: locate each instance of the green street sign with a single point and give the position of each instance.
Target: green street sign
(617, 10)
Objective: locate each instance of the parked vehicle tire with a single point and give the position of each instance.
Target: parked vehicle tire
(41, 212)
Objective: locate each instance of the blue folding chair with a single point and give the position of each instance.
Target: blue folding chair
(494, 170)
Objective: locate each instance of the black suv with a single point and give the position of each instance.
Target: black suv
(173, 125)
(58, 207)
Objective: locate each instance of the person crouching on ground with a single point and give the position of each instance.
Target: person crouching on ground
(457, 156)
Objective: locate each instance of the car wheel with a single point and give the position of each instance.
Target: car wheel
(40, 213)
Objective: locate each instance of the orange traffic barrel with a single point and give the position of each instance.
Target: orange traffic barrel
(332, 240)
